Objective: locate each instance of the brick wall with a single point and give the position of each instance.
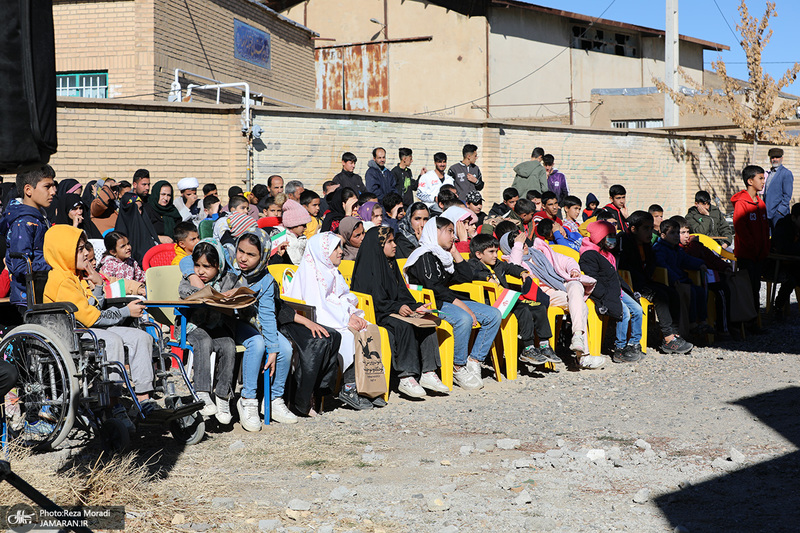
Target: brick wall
(198, 36)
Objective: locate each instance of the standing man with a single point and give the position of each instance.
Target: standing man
(275, 185)
(141, 184)
(466, 175)
(530, 175)
(406, 184)
(556, 181)
(347, 177)
(432, 181)
(778, 189)
(380, 180)
(187, 204)
(294, 189)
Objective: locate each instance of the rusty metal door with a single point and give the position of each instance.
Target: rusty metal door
(354, 77)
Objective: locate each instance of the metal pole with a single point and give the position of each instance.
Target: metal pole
(671, 62)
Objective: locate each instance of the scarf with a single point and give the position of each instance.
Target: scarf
(336, 206)
(264, 246)
(223, 265)
(168, 214)
(455, 214)
(429, 242)
(347, 226)
(379, 276)
(317, 282)
(365, 211)
(63, 283)
(537, 263)
(88, 192)
(408, 232)
(136, 227)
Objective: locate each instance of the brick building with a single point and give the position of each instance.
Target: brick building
(132, 48)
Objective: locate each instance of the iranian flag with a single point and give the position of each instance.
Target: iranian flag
(414, 287)
(115, 289)
(278, 239)
(505, 303)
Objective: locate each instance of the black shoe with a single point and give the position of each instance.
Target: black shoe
(637, 349)
(551, 356)
(532, 356)
(624, 355)
(677, 345)
(352, 398)
(378, 401)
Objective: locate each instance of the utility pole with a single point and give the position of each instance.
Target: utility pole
(671, 62)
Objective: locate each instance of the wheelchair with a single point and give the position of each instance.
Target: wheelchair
(65, 384)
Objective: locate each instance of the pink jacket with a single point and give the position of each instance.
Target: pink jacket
(562, 264)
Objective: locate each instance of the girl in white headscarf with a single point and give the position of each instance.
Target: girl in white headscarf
(319, 283)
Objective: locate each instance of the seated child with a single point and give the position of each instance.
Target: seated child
(475, 204)
(295, 218)
(531, 319)
(708, 219)
(65, 251)
(669, 255)
(117, 261)
(613, 297)
(212, 208)
(237, 204)
(658, 215)
(571, 235)
(436, 265)
(591, 207)
(371, 214)
(310, 200)
(209, 330)
(464, 221)
(561, 279)
(131, 287)
(393, 211)
(269, 207)
(186, 236)
(536, 198)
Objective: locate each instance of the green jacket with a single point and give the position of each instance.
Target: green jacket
(530, 176)
(713, 224)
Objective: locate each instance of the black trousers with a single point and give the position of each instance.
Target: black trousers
(753, 269)
(317, 366)
(8, 377)
(414, 350)
(532, 322)
(667, 304)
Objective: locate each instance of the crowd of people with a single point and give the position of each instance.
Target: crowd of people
(403, 232)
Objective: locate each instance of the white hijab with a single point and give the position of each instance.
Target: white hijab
(317, 282)
(455, 214)
(429, 242)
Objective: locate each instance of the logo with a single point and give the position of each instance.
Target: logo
(21, 517)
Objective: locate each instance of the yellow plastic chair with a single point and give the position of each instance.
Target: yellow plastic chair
(278, 271)
(366, 304)
(714, 246)
(566, 250)
(477, 293)
(162, 284)
(553, 315)
(346, 268)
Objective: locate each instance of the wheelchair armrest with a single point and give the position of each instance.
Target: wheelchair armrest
(67, 307)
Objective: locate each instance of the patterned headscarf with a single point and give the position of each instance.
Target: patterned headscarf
(265, 247)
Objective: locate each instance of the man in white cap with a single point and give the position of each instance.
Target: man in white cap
(187, 203)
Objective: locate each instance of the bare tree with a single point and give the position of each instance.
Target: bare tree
(756, 108)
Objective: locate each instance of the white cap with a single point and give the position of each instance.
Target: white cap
(188, 183)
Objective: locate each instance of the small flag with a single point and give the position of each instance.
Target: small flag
(505, 303)
(278, 239)
(414, 287)
(288, 276)
(114, 289)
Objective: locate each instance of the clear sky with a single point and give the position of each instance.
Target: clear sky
(703, 20)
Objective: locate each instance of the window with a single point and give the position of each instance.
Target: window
(82, 84)
(636, 124)
(604, 41)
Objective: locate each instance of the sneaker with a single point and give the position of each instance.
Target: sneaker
(378, 401)
(353, 399)
(548, 353)
(474, 367)
(209, 408)
(677, 345)
(637, 349)
(409, 386)
(40, 428)
(532, 356)
(430, 381)
(120, 413)
(625, 355)
(248, 414)
(466, 379)
(280, 413)
(146, 406)
(591, 362)
(578, 344)
(223, 413)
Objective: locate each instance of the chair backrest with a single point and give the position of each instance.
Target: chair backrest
(346, 268)
(205, 229)
(714, 246)
(626, 277)
(162, 284)
(566, 250)
(278, 271)
(159, 255)
(366, 304)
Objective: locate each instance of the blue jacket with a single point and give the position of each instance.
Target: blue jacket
(380, 182)
(573, 239)
(675, 260)
(778, 194)
(24, 227)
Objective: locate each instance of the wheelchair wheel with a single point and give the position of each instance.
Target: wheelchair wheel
(43, 412)
(188, 430)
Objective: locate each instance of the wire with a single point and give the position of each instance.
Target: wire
(763, 62)
(735, 37)
(525, 77)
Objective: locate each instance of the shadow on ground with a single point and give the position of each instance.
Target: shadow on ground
(760, 497)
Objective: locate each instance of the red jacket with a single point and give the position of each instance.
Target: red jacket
(751, 239)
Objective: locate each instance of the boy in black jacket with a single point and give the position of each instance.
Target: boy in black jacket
(531, 319)
(636, 256)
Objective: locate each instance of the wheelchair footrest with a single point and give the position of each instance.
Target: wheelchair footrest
(164, 416)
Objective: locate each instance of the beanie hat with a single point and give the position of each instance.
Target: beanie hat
(294, 214)
(599, 230)
(239, 223)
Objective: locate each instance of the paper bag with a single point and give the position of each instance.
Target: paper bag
(370, 377)
(242, 297)
(421, 321)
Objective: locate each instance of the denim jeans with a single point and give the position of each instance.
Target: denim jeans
(488, 317)
(255, 357)
(631, 314)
